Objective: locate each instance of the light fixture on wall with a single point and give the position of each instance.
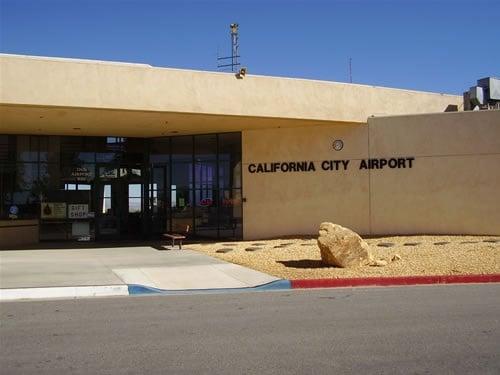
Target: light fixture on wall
(242, 73)
(338, 144)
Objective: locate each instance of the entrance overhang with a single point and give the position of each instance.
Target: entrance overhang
(50, 120)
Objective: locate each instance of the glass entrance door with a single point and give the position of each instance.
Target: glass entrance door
(107, 212)
(159, 200)
(120, 203)
(132, 212)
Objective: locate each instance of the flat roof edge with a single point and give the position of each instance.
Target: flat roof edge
(432, 113)
(144, 65)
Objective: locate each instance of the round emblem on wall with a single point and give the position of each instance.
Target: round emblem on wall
(338, 145)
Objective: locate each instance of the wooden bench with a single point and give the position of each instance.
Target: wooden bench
(176, 236)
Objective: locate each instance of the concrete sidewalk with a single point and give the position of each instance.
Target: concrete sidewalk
(113, 267)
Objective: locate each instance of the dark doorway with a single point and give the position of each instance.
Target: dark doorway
(120, 203)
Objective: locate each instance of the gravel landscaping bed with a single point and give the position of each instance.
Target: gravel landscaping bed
(299, 258)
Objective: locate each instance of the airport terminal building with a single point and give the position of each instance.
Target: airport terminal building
(93, 150)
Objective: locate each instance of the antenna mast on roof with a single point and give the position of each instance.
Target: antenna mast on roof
(234, 51)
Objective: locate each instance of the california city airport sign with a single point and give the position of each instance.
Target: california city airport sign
(331, 165)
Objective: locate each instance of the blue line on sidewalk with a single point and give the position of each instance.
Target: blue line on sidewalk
(273, 285)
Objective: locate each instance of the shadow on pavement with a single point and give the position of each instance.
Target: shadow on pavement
(304, 263)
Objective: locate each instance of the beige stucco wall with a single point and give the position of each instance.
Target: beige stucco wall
(295, 203)
(68, 83)
(453, 187)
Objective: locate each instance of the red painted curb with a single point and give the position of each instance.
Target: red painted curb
(398, 280)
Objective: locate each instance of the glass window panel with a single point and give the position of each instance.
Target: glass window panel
(106, 205)
(205, 214)
(160, 150)
(182, 174)
(77, 150)
(230, 213)
(134, 205)
(22, 197)
(27, 148)
(27, 174)
(7, 148)
(7, 183)
(28, 205)
(158, 204)
(182, 148)
(135, 190)
(205, 147)
(182, 199)
(84, 157)
(229, 145)
(106, 191)
(230, 174)
(205, 175)
(84, 187)
(205, 198)
(182, 209)
(50, 176)
(107, 157)
(134, 150)
(158, 177)
(54, 150)
(50, 149)
(43, 144)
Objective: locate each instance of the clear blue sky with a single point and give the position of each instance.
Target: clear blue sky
(441, 46)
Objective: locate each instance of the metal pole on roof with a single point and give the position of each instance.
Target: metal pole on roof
(235, 46)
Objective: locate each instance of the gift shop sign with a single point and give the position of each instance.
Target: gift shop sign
(78, 211)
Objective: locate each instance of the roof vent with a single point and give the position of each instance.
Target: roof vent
(486, 95)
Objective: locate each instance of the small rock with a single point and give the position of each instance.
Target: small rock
(378, 263)
(223, 251)
(468, 242)
(441, 243)
(228, 244)
(258, 244)
(253, 248)
(412, 243)
(278, 246)
(307, 244)
(395, 257)
(386, 244)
